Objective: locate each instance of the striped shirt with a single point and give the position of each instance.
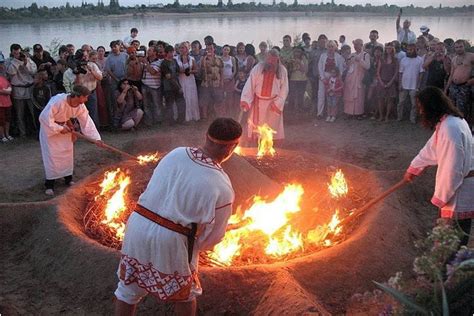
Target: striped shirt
(150, 80)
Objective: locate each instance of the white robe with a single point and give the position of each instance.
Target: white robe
(451, 148)
(260, 111)
(57, 149)
(186, 188)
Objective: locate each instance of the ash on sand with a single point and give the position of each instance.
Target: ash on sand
(51, 266)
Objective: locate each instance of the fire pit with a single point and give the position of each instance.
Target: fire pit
(294, 220)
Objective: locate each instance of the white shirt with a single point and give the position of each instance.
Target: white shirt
(410, 69)
(410, 36)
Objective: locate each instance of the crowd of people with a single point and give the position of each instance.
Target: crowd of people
(133, 84)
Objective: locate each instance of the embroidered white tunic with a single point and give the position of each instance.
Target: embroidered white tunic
(260, 91)
(57, 149)
(186, 187)
(451, 148)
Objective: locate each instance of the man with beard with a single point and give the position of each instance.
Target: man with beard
(264, 94)
(189, 192)
(451, 149)
(410, 69)
(460, 82)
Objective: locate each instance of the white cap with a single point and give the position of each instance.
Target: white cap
(424, 29)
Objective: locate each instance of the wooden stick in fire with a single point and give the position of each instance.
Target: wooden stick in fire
(374, 201)
(111, 148)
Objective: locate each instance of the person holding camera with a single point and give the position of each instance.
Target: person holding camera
(437, 65)
(43, 60)
(21, 70)
(128, 102)
(85, 73)
(187, 69)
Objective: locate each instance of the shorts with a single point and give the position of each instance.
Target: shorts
(5, 115)
(132, 294)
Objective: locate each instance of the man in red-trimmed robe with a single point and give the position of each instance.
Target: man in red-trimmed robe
(264, 95)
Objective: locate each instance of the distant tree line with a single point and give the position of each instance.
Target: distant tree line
(99, 9)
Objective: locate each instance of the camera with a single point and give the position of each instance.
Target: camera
(187, 71)
(80, 67)
(140, 53)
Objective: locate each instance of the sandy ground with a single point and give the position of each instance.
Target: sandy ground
(35, 279)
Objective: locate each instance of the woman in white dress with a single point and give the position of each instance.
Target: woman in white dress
(187, 69)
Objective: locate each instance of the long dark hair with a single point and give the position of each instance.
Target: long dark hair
(434, 105)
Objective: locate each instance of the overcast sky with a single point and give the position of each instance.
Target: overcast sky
(421, 3)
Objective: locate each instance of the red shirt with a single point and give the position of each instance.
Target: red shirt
(5, 100)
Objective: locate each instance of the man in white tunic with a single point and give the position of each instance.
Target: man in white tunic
(184, 209)
(264, 94)
(57, 148)
(451, 148)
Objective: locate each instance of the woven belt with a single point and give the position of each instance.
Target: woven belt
(188, 232)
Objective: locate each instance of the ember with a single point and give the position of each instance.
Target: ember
(144, 159)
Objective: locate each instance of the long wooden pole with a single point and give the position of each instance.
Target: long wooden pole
(103, 145)
(374, 201)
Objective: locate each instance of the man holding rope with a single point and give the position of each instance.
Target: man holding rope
(56, 140)
(451, 148)
(184, 209)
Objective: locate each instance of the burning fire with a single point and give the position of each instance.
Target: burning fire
(268, 225)
(144, 159)
(114, 187)
(338, 186)
(265, 141)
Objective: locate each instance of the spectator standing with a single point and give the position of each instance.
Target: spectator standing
(197, 53)
(212, 87)
(370, 46)
(61, 67)
(399, 53)
(230, 106)
(354, 89)
(307, 43)
(134, 68)
(116, 71)
(241, 57)
(342, 40)
(151, 88)
(327, 62)
(43, 60)
(5, 104)
(128, 39)
(41, 93)
(251, 60)
(209, 40)
(314, 69)
(438, 66)
(387, 75)
(458, 83)
(263, 52)
(172, 90)
(21, 70)
(404, 35)
(425, 32)
(84, 73)
(187, 69)
(411, 68)
(298, 79)
(286, 53)
(103, 89)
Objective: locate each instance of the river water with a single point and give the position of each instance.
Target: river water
(225, 29)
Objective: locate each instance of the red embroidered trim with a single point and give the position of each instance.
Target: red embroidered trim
(437, 202)
(458, 215)
(165, 287)
(415, 171)
(198, 157)
(267, 85)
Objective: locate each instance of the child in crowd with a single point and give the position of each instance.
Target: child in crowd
(334, 88)
(240, 82)
(5, 104)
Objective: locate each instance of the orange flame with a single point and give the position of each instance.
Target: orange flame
(238, 151)
(265, 141)
(338, 186)
(144, 159)
(116, 204)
